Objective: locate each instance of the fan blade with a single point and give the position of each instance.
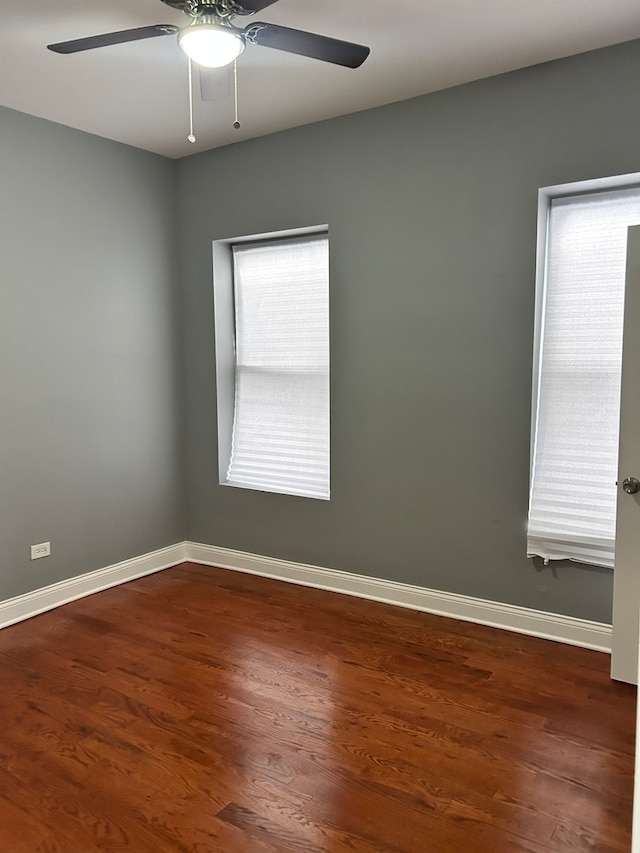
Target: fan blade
(215, 83)
(255, 5)
(177, 4)
(113, 38)
(307, 44)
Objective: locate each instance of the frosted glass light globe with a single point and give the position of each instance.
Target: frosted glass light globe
(210, 45)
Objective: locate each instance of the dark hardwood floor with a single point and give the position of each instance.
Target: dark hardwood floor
(201, 710)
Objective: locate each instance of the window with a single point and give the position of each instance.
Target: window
(576, 400)
(276, 435)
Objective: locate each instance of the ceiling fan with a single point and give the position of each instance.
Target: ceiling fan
(211, 39)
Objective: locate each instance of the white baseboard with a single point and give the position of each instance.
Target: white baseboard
(14, 610)
(510, 617)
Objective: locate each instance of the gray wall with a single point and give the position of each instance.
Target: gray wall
(90, 437)
(107, 369)
(431, 206)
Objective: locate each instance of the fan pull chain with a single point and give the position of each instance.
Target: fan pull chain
(236, 123)
(191, 136)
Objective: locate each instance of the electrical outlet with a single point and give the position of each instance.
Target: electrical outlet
(41, 550)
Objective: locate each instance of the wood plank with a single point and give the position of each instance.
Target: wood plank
(204, 710)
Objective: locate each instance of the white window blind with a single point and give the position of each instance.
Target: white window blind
(572, 511)
(281, 418)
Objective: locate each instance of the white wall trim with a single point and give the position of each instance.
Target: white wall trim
(14, 610)
(510, 617)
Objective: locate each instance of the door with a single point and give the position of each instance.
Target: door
(626, 574)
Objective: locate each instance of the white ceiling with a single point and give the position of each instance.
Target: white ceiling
(137, 93)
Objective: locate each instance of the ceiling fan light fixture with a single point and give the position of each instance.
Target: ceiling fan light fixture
(210, 45)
